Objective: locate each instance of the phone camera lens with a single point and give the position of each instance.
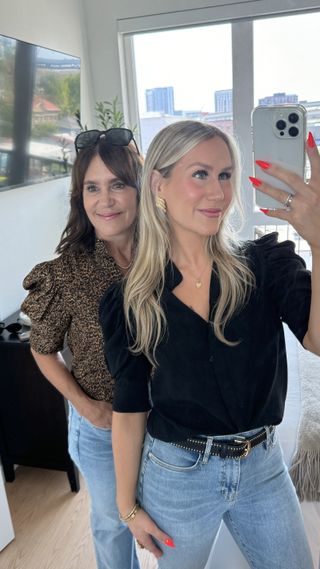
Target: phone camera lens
(293, 131)
(281, 124)
(293, 118)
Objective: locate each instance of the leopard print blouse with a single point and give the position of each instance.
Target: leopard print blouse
(63, 303)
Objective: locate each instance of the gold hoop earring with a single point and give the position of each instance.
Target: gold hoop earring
(161, 204)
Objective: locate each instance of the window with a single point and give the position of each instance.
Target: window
(171, 87)
(219, 71)
(284, 50)
(287, 76)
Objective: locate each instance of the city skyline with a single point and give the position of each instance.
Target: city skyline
(222, 98)
(203, 62)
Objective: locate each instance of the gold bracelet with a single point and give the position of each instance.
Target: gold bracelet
(129, 517)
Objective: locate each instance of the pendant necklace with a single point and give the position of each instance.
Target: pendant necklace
(198, 281)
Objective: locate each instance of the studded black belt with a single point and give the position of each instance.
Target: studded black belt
(239, 447)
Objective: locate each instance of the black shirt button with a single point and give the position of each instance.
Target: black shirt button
(211, 359)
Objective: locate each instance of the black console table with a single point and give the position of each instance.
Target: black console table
(33, 414)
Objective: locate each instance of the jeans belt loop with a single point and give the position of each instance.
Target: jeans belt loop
(269, 431)
(207, 450)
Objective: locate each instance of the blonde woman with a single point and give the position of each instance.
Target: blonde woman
(197, 350)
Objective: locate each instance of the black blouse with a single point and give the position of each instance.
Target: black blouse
(201, 385)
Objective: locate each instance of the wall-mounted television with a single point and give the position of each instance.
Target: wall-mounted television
(39, 99)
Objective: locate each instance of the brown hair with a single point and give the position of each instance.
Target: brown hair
(123, 162)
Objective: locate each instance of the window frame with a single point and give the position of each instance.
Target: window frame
(241, 16)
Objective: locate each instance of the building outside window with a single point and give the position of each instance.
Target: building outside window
(160, 99)
(223, 101)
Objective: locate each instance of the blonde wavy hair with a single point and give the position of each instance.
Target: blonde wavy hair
(144, 285)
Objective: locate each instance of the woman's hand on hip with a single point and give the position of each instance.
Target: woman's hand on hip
(98, 413)
(144, 530)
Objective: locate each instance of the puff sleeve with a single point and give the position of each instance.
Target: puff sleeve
(286, 280)
(46, 308)
(130, 372)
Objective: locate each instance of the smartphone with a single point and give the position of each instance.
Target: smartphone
(278, 136)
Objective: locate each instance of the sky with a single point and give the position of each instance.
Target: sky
(197, 61)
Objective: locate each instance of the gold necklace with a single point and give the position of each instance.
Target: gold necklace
(198, 280)
(124, 268)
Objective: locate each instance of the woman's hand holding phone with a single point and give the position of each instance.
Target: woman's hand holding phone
(278, 137)
(302, 210)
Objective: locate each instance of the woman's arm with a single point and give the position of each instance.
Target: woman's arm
(55, 370)
(304, 216)
(127, 441)
(128, 430)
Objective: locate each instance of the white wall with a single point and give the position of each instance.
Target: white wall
(32, 218)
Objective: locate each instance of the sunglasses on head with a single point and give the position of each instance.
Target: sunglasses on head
(13, 328)
(113, 136)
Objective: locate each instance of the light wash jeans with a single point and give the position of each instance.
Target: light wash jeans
(90, 449)
(188, 495)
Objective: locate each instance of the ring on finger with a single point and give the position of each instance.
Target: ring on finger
(287, 202)
(140, 545)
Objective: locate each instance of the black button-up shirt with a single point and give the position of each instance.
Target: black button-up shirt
(201, 385)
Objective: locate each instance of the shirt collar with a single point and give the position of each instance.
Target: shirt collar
(172, 276)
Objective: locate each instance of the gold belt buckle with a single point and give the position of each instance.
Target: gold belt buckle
(247, 447)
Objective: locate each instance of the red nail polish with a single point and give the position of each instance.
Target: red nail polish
(169, 542)
(311, 141)
(264, 165)
(264, 210)
(255, 181)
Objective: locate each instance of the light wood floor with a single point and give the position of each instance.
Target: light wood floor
(51, 524)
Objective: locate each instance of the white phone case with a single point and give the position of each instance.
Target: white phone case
(278, 134)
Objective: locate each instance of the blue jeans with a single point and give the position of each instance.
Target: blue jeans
(189, 494)
(90, 449)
